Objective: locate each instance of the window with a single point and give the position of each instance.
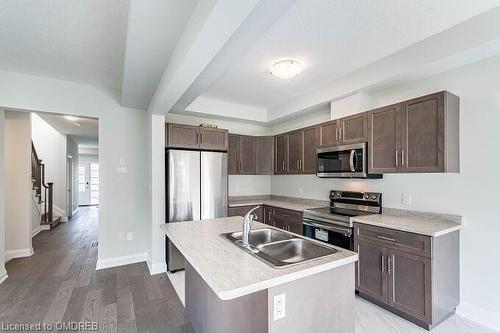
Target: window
(81, 178)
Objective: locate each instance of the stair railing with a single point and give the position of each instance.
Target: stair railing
(38, 177)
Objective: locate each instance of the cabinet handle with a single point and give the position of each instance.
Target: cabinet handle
(390, 262)
(201, 138)
(340, 134)
(387, 238)
(402, 157)
(397, 162)
(383, 264)
(336, 134)
(283, 165)
(300, 164)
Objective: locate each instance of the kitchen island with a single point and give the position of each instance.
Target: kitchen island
(229, 290)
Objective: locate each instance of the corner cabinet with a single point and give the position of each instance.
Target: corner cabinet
(414, 276)
(242, 159)
(195, 137)
(420, 135)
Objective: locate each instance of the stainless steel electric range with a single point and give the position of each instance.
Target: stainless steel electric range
(334, 224)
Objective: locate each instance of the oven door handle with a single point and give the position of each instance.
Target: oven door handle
(351, 160)
(344, 231)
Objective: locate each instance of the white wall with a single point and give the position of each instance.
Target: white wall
(472, 193)
(50, 146)
(3, 273)
(248, 185)
(18, 185)
(317, 116)
(122, 133)
(72, 184)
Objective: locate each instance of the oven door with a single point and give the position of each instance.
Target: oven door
(343, 161)
(331, 234)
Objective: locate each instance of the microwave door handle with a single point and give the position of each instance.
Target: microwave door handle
(351, 160)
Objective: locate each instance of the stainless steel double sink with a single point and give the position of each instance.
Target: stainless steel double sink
(278, 248)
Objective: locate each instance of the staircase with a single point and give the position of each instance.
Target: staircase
(43, 192)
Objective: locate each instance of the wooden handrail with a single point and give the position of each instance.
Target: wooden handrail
(38, 177)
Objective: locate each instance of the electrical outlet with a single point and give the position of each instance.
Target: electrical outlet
(406, 199)
(279, 306)
(130, 235)
(123, 161)
(122, 236)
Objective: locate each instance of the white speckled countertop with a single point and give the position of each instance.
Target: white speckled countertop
(428, 224)
(277, 201)
(232, 272)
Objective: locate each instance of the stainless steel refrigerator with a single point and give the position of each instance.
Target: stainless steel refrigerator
(196, 190)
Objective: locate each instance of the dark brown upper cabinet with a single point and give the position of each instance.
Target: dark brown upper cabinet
(416, 136)
(195, 137)
(281, 153)
(329, 134)
(311, 143)
(295, 151)
(233, 153)
(384, 139)
(353, 129)
(242, 159)
(265, 155)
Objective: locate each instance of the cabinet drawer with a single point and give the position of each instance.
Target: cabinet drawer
(403, 241)
(242, 210)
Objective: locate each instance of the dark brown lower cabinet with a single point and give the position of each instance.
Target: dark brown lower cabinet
(242, 210)
(289, 220)
(423, 288)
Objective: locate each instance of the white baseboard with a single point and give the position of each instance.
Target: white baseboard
(3, 275)
(120, 261)
(479, 315)
(61, 212)
(36, 231)
(19, 253)
(157, 267)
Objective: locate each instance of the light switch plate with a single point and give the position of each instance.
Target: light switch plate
(279, 306)
(406, 199)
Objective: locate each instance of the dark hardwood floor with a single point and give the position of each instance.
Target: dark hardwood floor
(59, 283)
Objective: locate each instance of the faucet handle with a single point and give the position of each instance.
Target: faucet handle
(251, 216)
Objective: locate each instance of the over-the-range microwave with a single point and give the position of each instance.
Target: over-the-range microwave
(349, 161)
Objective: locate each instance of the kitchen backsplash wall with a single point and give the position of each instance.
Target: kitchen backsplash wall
(249, 185)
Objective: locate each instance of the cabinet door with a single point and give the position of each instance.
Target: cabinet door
(354, 129)
(371, 278)
(233, 154)
(423, 134)
(268, 217)
(384, 139)
(242, 210)
(281, 154)
(311, 142)
(265, 155)
(409, 284)
(182, 136)
(329, 133)
(295, 150)
(213, 139)
(247, 149)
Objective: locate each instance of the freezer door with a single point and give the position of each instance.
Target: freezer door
(183, 185)
(213, 185)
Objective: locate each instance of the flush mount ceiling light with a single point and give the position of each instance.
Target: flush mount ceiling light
(286, 69)
(71, 118)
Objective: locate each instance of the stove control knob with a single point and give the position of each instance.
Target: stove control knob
(367, 196)
(374, 196)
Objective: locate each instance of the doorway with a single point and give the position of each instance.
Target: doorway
(88, 183)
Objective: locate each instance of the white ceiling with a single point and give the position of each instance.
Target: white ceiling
(333, 38)
(77, 40)
(86, 135)
(154, 28)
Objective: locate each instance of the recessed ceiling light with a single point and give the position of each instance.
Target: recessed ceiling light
(71, 118)
(286, 69)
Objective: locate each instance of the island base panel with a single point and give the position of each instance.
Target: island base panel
(322, 302)
(208, 313)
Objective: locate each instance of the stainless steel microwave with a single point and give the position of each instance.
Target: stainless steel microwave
(349, 161)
